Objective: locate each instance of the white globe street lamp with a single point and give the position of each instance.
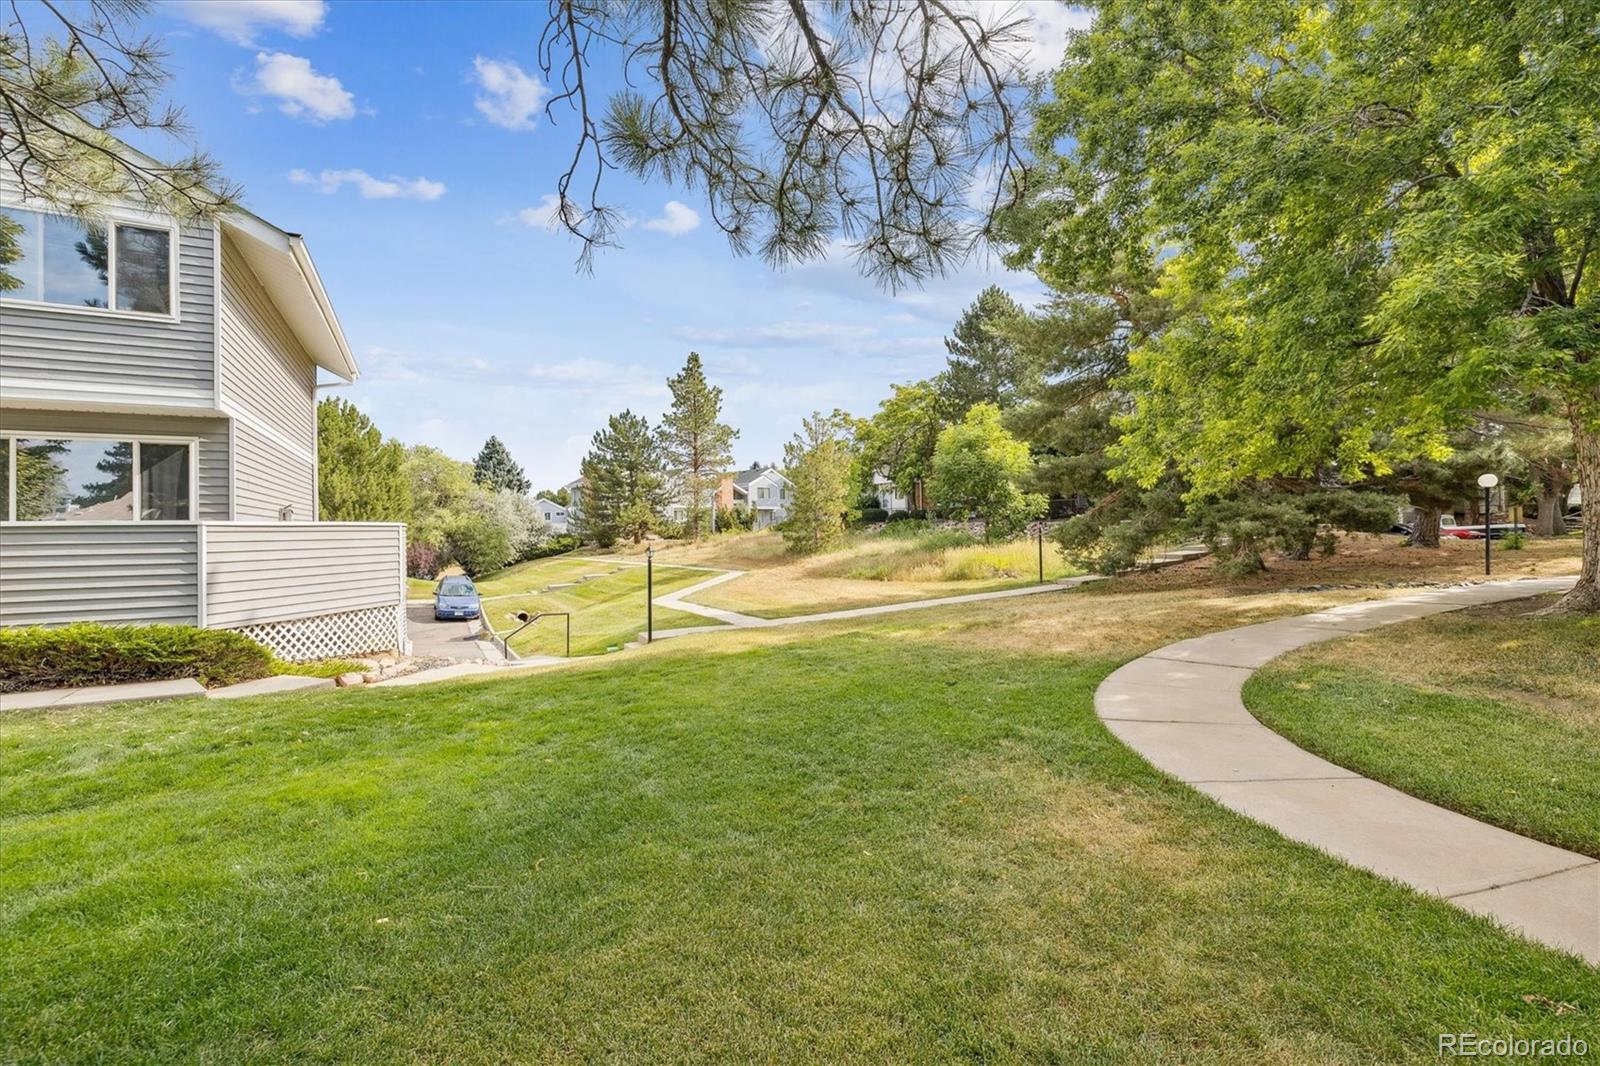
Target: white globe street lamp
(1488, 482)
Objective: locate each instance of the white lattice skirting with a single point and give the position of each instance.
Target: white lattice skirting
(327, 636)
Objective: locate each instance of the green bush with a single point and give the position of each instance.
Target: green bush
(871, 516)
(1514, 541)
(89, 653)
(557, 545)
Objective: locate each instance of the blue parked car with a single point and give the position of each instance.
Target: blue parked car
(456, 597)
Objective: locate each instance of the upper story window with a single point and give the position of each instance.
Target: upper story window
(763, 492)
(70, 262)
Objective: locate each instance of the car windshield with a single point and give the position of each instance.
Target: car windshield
(458, 586)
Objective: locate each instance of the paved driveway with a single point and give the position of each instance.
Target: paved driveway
(431, 638)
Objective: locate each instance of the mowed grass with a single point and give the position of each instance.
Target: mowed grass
(893, 565)
(1494, 712)
(915, 845)
(608, 610)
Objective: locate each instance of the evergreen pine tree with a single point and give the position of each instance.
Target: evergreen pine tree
(625, 484)
(984, 366)
(698, 447)
(495, 470)
(360, 476)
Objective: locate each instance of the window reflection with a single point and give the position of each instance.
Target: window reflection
(76, 262)
(163, 482)
(74, 480)
(144, 270)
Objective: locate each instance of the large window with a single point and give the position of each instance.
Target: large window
(82, 479)
(73, 263)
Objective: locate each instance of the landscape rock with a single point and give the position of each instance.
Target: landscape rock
(351, 680)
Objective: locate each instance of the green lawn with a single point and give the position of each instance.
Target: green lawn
(1492, 712)
(523, 577)
(898, 843)
(607, 610)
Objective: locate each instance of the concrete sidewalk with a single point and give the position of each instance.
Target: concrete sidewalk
(1180, 708)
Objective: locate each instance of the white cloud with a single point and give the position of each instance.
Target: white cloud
(371, 188)
(777, 335)
(241, 20)
(1052, 21)
(301, 92)
(676, 219)
(511, 96)
(546, 214)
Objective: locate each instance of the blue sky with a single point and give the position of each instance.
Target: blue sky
(408, 143)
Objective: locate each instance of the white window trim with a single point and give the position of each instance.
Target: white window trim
(193, 443)
(111, 219)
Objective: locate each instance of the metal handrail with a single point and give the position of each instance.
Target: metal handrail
(527, 620)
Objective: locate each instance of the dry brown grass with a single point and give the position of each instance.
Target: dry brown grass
(1372, 559)
(778, 585)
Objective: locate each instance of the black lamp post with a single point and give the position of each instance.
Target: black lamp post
(649, 595)
(1488, 481)
(1039, 529)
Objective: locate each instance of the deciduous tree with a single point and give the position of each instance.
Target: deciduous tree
(899, 439)
(818, 464)
(1373, 220)
(979, 468)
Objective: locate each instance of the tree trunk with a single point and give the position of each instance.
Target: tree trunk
(1585, 595)
(1426, 534)
(1552, 502)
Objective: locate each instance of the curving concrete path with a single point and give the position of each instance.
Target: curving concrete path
(735, 620)
(1180, 708)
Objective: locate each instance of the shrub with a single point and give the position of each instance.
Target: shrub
(873, 515)
(478, 543)
(898, 516)
(735, 519)
(89, 653)
(424, 561)
(558, 545)
(1514, 541)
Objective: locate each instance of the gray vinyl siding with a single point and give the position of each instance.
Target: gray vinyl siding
(270, 572)
(265, 370)
(269, 477)
(211, 448)
(110, 358)
(127, 572)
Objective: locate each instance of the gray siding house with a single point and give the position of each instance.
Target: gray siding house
(158, 444)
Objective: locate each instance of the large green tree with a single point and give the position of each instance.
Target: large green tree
(360, 476)
(496, 470)
(625, 482)
(899, 439)
(698, 445)
(817, 462)
(980, 468)
(1373, 218)
(985, 364)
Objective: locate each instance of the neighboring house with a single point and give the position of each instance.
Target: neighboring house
(766, 491)
(158, 435)
(553, 513)
(575, 489)
(762, 488)
(890, 498)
